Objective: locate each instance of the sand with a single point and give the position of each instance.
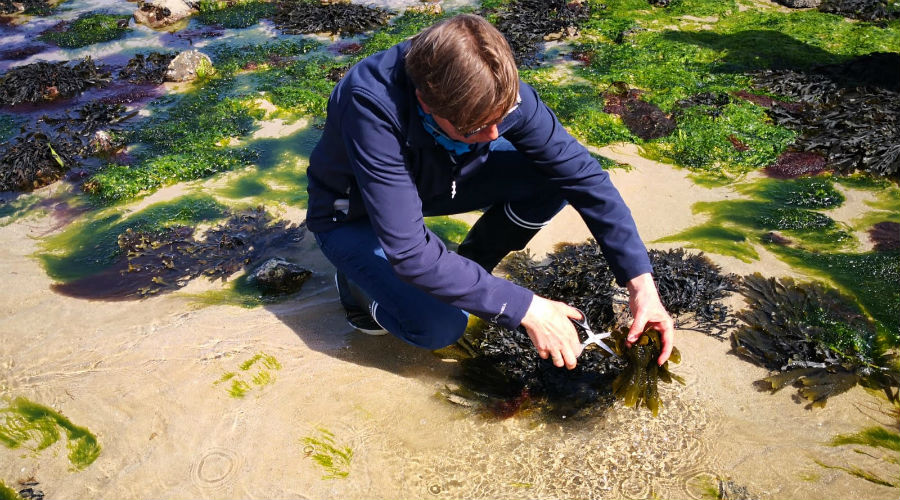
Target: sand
(146, 377)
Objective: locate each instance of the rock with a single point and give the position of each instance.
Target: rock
(800, 4)
(187, 66)
(161, 13)
(278, 276)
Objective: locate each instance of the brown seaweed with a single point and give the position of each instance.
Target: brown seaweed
(691, 284)
(793, 164)
(847, 112)
(30, 7)
(642, 118)
(44, 81)
(152, 262)
(45, 150)
(147, 69)
(864, 10)
(813, 336)
(886, 236)
(297, 17)
(526, 24)
(638, 383)
(31, 161)
(501, 368)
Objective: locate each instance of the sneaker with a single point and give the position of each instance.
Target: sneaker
(357, 317)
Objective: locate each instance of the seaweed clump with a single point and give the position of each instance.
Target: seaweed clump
(502, 368)
(42, 154)
(87, 29)
(847, 112)
(30, 7)
(297, 17)
(690, 283)
(886, 236)
(147, 69)
(234, 15)
(167, 259)
(44, 81)
(812, 336)
(528, 23)
(642, 118)
(864, 10)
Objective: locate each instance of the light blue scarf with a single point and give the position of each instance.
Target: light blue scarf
(431, 126)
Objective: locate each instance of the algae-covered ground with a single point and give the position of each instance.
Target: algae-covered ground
(197, 155)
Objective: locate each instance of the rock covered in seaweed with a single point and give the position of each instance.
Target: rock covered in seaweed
(45, 81)
(278, 276)
(813, 336)
(297, 17)
(150, 68)
(31, 7)
(526, 24)
(187, 66)
(800, 4)
(31, 161)
(864, 10)
(162, 13)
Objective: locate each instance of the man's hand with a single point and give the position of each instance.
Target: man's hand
(649, 311)
(552, 332)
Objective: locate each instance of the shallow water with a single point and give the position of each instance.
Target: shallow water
(154, 379)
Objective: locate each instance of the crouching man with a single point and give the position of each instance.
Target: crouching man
(439, 125)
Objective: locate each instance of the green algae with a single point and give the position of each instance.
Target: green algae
(869, 277)
(230, 59)
(860, 473)
(333, 458)
(257, 368)
(7, 493)
(876, 437)
(88, 29)
(578, 106)
(37, 427)
(90, 246)
(279, 173)
(17, 208)
(402, 27)
(302, 86)
(754, 220)
(714, 238)
(185, 141)
(450, 231)
(234, 16)
(706, 140)
(625, 41)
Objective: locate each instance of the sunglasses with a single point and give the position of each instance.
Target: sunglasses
(478, 130)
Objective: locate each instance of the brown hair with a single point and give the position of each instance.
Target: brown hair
(464, 71)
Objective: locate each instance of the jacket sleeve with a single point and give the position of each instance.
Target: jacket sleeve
(538, 134)
(392, 201)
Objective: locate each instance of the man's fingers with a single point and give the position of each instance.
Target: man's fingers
(571, 312)
(637, 328)
(667, 333)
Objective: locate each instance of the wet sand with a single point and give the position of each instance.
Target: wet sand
(144, 376)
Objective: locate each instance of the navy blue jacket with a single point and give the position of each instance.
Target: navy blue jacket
(375, 151)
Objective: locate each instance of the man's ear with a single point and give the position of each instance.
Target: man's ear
(425, 107)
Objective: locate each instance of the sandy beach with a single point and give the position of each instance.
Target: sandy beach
(146, 376)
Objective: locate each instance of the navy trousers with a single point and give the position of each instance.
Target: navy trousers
(508, 178)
